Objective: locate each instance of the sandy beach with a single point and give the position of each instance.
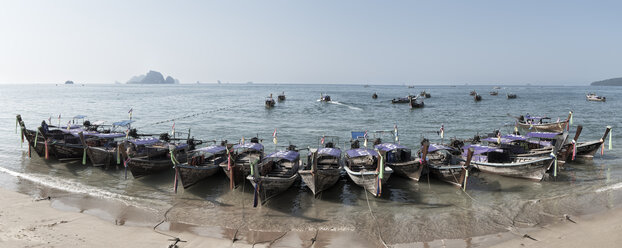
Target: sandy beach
(29, 222)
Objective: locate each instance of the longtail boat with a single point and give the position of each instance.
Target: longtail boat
(366, 169)
(281, 97)
(324, 98)
(398, 158)
(416, 103)
(539, 124)
(586, 150)
(477, 97)
(239, 159)
(201, 163)
(323, 168)
(374, 96)
(269, 102)
(445, 163)
(498, 161)
(148, 156)
(402, 99)
(535, 144)
(595, 98)
(511, 96)
(281, 172)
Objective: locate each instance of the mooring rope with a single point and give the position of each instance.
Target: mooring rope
(190, 115)
(376, 220)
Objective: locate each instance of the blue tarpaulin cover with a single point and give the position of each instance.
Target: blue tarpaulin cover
(333, 152)
(360, 152)
(287, 155)
(389, 147)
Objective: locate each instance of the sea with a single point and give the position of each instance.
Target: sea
(406, 213)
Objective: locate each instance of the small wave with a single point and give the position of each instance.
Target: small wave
(76, 187)
(610, 187)
(338, 103)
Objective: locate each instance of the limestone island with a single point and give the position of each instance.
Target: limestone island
(152, 77)
(608, 82)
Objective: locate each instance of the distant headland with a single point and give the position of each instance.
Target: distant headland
(609, 82)
(152, 77)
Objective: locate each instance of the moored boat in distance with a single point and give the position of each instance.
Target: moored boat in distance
(281, 97)
(595, 98)
(323, 167)
(269, 101)
(374, 96)
(425, 94)
(402, 99)
(477, 97)
(494, 93)
(472, 93)
(511, 96)
(414, 102)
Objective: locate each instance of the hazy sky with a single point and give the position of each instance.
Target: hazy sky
(375, 42)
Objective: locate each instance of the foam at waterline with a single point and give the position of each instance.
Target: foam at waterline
(610, 187)
(75, 187)
(338, 103)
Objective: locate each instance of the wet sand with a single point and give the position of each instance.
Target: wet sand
(28, 222)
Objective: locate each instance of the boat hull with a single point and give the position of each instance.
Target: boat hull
(141, 167)
(272, 186)
(191, 175)
(368, 179)
(532, 168)
(447, 173)
(556, 127)
(411, 169)
(102, 156)
(320, 180)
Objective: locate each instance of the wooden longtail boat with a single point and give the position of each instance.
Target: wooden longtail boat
(538, 124)
(535, 144)
(323, 168)
(282, 171)
(324, 98)
(595, 98)
(402, 99)
(201, 163)
(494, 93)
(150, 155)
(477, 97)
(269, 102)
(374, 96)
(239, 159)
(511, 96)
(365, 169)
(445, 163)
(498, 161)
(102, 148)
(586, 150)
(415, 103)
(281, 97)
(399, 159)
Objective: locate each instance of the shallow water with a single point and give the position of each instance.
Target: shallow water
(407, 211)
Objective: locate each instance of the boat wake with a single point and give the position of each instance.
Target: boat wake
(610, 187)
(76, 187)
(338, 103)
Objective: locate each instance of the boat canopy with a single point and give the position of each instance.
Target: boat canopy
(333, 152)
(542, 135)
(479, 149)
(79, 117)
(144, 141)
(528, 117)
(122, 123)
(212, 149)
(252, 146)
(360, 152)
(436, 147)
(287, 155)
(389, 147)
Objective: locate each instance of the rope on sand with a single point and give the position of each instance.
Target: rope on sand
(376, 220)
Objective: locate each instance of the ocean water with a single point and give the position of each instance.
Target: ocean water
(407, 211)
